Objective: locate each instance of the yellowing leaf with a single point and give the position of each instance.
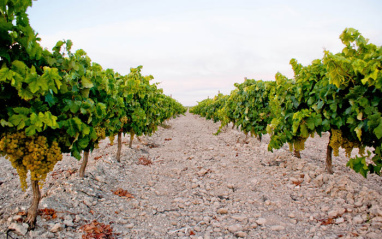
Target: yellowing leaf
(358, 131)
(86, 82)
(359, 116)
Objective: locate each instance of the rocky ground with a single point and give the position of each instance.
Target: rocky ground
(198, 186)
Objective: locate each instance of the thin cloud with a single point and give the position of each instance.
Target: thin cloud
(197, 48)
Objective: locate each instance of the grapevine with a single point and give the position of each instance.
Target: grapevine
(62, 102)
(339, 93)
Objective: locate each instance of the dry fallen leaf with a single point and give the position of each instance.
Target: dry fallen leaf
(47, 213)
(123, 193)
(298, 183)
(327, 221)
(144, 161)
(96, 230)
(96, 158)
(22, 213)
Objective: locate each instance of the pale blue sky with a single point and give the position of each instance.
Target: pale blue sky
(196, 48)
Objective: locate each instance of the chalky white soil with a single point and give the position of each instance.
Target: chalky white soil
(201, 186)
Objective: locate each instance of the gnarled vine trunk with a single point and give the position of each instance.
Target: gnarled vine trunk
(131, 139)
(33, 209)
(296, 153)
(119, 147)
(84, 163)
(246, 138)
(259, 138)
(329, 161)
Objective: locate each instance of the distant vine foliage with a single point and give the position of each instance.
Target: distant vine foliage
(340, 94)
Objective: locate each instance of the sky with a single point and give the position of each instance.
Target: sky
(197, 48)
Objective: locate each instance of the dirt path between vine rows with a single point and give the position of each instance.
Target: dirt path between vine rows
(200, 186)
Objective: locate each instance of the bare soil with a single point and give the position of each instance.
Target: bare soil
(185, 182)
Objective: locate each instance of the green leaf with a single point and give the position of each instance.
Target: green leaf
(58, 83)
(83, 143)
(365, 80)
(78, 123)
(85, 129)
(374, 75)
(19, 66)
(49, 98)
(51, 75)
(31, 130)
(51, 60)
(72, 127)
(83, 111)
(69, 44)
(350, 120)
(35, 120)
(19, 120)
(320, 104)
(5, 74)
(5, 123)
(317, 120)
(22, 110)
(26, 94)
(333, 107)
(364, 102)
(359, 165)
(75, 152)
(74, 106)
(304, 131)
(93, 134)
(86, 83)
(378, 130)
(311, 101)
(34, 85)
(310, 123)
(58, 46)
(85, 93)
(48, 119)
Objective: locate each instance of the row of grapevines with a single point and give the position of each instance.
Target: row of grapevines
(209, 108)
(62, 102)
(339, 94)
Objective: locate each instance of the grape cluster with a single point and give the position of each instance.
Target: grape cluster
(41, 157)
(101, 132)
(349, 146)
(9, 145)
(12, 147)
(32, 154)
(337, 140)
(298, 144)
(124, 119)
(111, 138)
